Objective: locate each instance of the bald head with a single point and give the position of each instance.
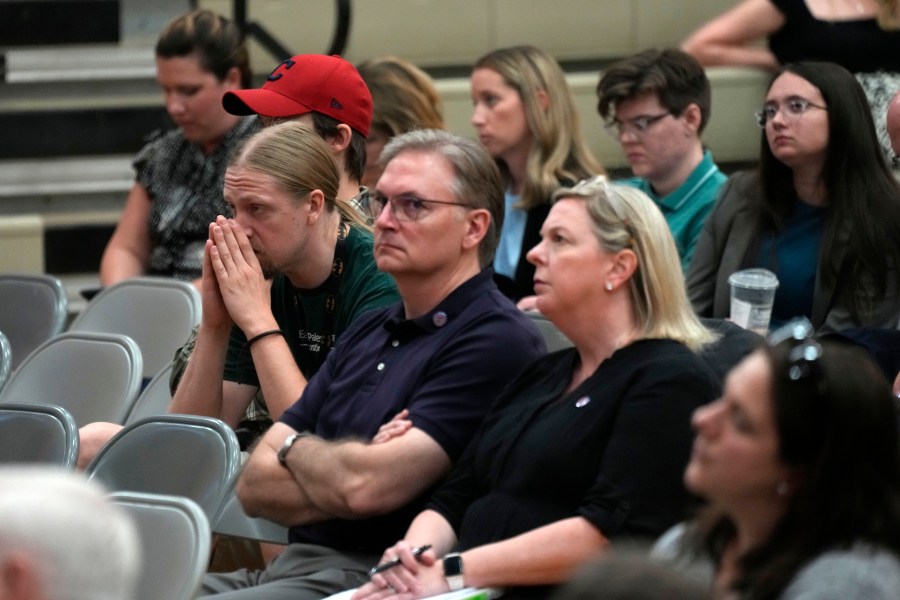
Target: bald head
(893, 123)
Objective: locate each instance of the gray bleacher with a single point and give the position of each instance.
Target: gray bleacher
(71, 117)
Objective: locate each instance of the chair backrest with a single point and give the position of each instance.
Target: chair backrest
(175, 544)
(38, 434)
(95, 376)
(183, 455)
(5, 359)
(154, 399)
(155, 312)
(553, 337)
(33, 309)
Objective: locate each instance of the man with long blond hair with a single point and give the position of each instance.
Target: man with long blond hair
(288, 226)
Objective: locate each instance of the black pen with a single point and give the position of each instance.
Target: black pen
(393, 563)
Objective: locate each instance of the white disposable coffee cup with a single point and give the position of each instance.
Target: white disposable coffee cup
(752, 296)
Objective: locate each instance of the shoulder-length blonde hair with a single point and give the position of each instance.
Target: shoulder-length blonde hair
(559, 151)
(624, 217)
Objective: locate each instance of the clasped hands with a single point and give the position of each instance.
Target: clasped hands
(234, 288)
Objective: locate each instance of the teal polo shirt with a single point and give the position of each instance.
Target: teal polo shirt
(687, 207)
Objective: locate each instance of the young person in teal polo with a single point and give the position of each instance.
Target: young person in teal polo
(656, 104)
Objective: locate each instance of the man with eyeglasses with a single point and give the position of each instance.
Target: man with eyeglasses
(656, 104)
(436, 356)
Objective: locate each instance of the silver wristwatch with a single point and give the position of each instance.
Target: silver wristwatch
(289, 442)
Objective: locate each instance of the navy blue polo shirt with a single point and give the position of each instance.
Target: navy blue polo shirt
(446, 367)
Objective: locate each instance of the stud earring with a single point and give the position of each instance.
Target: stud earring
(609, 287)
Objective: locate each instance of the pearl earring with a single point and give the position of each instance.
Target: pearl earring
(609, 287)
(782, 488)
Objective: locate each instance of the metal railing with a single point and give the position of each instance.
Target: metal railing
(274, 47)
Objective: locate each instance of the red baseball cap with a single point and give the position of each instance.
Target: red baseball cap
(308, 83)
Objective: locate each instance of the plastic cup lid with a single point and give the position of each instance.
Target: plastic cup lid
(756, 279)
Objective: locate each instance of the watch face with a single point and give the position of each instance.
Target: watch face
(453, 565)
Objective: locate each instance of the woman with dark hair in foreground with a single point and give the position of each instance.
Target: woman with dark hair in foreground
(799, 462)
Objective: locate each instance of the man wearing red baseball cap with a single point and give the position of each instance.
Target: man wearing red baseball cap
(327, 93)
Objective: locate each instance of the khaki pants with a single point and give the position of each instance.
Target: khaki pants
(301, 572)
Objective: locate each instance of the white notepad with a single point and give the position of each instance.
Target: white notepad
(468, 593)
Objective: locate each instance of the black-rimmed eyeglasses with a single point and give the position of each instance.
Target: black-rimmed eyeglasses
(405, 207)
(637, 127)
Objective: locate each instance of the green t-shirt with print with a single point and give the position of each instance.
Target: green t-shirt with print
(312, 319)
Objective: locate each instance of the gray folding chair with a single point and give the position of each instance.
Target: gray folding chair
(95, 376)
(5, 359)
(175, 544)
(154, 399)
(33, 309)
(183, 455)
(38, 434)
(553, 337)
(155, 312)
(232, 520)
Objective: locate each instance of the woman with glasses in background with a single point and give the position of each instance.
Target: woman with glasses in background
(526, 118)
(861, 35)
(799, 463)
(822, 211)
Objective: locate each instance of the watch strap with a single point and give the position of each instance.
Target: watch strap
(453, 571)
(289, 442)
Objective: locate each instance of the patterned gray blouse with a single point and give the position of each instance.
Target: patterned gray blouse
(185, 189)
